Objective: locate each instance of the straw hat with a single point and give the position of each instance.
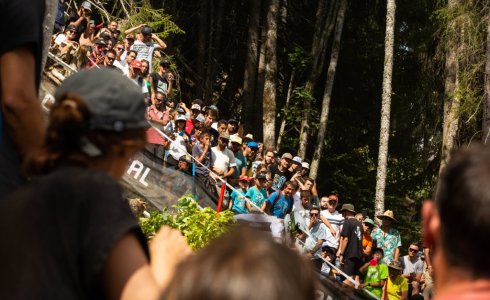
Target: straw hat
(395, 264)
(387, 215)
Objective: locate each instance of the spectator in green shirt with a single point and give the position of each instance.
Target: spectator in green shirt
(376, 273)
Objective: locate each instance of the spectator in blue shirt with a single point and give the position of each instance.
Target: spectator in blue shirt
(280, 203)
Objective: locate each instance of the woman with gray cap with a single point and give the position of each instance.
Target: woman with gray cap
(70, 233)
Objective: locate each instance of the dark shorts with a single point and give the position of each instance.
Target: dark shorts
(352, 266)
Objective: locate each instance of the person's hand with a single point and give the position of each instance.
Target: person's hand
(170, 76)
(333, 232)
(182, 104)
(167, 249)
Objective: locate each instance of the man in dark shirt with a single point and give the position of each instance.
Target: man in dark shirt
(280, 173)
(161, 81)
(81, 18)
(21, 123)
(351, 243)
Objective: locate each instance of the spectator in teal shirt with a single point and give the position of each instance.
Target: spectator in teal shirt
(237, 203)
(257, 194)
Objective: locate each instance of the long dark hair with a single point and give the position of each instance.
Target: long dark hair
(67, 129)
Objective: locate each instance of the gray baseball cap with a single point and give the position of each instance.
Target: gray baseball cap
(115, 102)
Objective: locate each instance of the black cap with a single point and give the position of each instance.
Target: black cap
(146, 30)
(115, 103)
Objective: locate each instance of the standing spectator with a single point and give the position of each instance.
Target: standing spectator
(126, 62)
(232, 126)
(156, 143)
(222, 159)
(350, 248)
(412, 269)
(397, 285)
(241, 162)
(376, 274)
(88, 38)
(161, 81)
(201, 153)
(21, 120)
(257, 194)
(144, 43)
(280, 173)
(367, 240)
(238, 201)
(81, 18)
(250, 153)
(269, 158)
(66, 42)
(178, 146)
(318, 232)
(334, 221)
(96, 57)
(387, 237)
(110, 57)
(59, 20)
(280, 203)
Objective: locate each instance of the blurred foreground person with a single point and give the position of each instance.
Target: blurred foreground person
(240, 265)
(21, 121)
(70, 233)
(457, 226)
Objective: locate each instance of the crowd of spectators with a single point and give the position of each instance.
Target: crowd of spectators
(194, 139)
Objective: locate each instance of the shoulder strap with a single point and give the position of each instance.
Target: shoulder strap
(276, 199)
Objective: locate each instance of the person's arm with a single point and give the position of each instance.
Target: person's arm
(318, 245)
(21, 109)
(230, 172)
(153, 94)
(127, 274)
(170, 84)
(327, 223)
(343, 245)
(404, 295)
(369, 246)
(128, 31)
(81, 17)
(159, 41)
(364, 267)
(396, 253)
(203, 154)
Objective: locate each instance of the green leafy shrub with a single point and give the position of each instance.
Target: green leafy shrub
(198, 225)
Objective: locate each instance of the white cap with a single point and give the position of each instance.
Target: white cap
(305, 165)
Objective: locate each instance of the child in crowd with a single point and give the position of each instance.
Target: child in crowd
(238, 201)
(257, 194)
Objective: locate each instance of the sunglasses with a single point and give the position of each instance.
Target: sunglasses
(332, 202)
(120, 48)
(413, 250)
(313, 214)
(111, 58)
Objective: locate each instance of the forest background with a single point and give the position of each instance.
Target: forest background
(307, 77)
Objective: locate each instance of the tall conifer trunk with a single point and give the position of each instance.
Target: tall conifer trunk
(332, 68)
(384, 133)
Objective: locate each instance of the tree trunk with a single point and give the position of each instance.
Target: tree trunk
(379, 205)
(202, 48)
(283, 123)
(451, 100)
(269, 98)
(332, 68)
(251, 60)
(324, 23)
(486, 103)
(48, 24)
